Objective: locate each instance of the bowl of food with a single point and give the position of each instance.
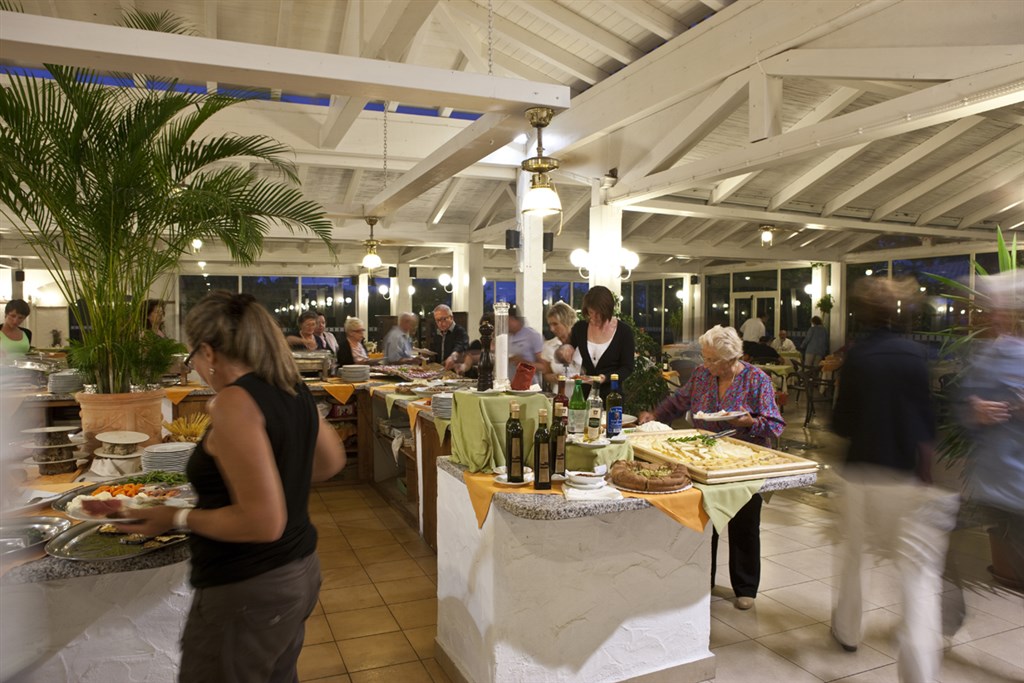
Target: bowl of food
(584, 478)
(120, 443)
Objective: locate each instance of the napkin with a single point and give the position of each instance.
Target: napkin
(603, 493)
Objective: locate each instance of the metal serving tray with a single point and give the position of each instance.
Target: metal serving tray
(17, 535)
(84, 542)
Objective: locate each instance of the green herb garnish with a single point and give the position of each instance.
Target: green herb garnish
(158, 477)
(708, 441)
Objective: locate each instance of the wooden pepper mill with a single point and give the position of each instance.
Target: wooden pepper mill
(485, 377)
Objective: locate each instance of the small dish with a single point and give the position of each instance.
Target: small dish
(599, 484)
(501, 469)
(587, 479)
(603, 441)
(503, 480)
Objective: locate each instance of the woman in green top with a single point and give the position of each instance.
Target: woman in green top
(14, 339)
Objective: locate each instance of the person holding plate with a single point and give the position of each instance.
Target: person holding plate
(726, 383)
(254, 563)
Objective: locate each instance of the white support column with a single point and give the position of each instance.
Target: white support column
(605, 241)
(530, 270)
(393, 288)
(696, 299)
(401, 299)
(363, 299)
(467, 278)
(837, 318)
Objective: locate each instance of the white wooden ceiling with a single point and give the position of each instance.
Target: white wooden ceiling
(837, 121)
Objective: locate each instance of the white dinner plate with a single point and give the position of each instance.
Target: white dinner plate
(599, 484)
(503, 480)
(489, 392)
(523, 392)
(719, 417)
(603, 441)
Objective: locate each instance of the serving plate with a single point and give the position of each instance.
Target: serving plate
(62, 502)
(719, 417)
(29, 499)
(25, 533)
(83, 542)
(652, 493)
(122, 437)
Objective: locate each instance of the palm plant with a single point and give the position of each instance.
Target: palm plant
(110, 186)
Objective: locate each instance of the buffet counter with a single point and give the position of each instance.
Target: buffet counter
(622, 587)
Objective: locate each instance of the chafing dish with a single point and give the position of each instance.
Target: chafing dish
(319, 362)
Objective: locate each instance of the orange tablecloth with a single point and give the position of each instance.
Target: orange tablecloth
(684, 507)
(341, 392)
(415, 408)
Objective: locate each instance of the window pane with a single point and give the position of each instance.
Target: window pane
(505, 290)
(378, 308)
(335, 297)
(795, 304)
(855, 272)
(673, 310)
(489, 297)
(755, 281)
(579, 290)
(934, 312)
(192, 288)
(626, 305)
(716, 301)
(647, 307)
(279, 295)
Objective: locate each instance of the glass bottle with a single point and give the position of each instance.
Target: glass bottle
(613, 407)
(558, 441)
(594, 408)
(542, 452)
(514, 446)
(560, 399)
(577, 410)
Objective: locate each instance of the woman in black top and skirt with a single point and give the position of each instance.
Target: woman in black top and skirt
(601, 344)
(254, 562)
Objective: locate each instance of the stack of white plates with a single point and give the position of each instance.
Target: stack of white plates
(64, 382)
(355, 373)
(168, 457)
(441, 404)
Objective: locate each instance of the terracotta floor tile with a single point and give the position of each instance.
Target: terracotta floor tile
(331, 544)
(422, 639)
(328, 530)
(319, 609)
(358, 525)
(405, 534)
(349, 598)
(390, 571)
(343, 576)
(381, 553)
(345, 505)
(428, 564)
(437, 674)
(416, 613)
(418, 548)
(406, 590)
(361, 622)
(373, 652)
(374, 500)
(338, 558)
(317, 630)
(369, 539)
(341, 494)
(340, 678)
(318, 661)
(361, 512)
(410, 672)
(321, 518)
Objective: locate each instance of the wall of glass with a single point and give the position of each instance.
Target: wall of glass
(192, 288)
(673, 328)
(932, 312)
(795, 304)
(717, 295)
(335, 297)
(279, 295)
(428, 295)
(648, 310)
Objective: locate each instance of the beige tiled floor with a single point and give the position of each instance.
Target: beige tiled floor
(376, 619)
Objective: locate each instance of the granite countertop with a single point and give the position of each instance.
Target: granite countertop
(54, 569)
(530, 506)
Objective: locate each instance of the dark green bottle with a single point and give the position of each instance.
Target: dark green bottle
(577, 410)
(542, 452)
(514, 445)
(558, 441)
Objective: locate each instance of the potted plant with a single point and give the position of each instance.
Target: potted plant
(109, 186)
(825, 304)
(954, 444)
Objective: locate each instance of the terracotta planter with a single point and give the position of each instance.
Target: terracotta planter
(141, 412)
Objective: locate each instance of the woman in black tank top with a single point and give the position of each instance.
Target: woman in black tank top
(254, 565)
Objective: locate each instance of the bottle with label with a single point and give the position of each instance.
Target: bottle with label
(577, 410)
(542, 452)
(558, 441)
(613, 407)
(594, 408)
(560, 399)
(514, 446)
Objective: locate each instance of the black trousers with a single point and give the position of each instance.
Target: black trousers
(744, 549)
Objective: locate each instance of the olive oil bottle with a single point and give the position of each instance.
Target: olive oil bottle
(542, 452)
(514, 446)
(558, 441)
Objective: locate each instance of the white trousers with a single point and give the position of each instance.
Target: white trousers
(883, 509)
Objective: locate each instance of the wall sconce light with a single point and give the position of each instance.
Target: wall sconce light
(411, 290)
(581, 259)
(201, 264)
(767, 235)
(445, 280)
(541, 199)
(385, 292)
(197, 244)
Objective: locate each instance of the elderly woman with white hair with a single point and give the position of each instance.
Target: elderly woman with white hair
(726, 383)
(352, 351)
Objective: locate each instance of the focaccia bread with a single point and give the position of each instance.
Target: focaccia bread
(645, 476)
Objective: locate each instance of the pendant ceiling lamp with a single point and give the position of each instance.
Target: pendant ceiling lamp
(371, 260)
(541, 199)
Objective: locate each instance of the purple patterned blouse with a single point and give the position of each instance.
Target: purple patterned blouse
(751, 390)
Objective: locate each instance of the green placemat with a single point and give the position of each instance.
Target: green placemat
(723, 501)
(478, 428)
(584, 459)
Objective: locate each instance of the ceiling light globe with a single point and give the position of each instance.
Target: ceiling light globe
(629, 259)
(579, 258)
(371, 261)
(197, 243)
(444, 279)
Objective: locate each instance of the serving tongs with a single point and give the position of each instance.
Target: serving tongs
(727, 432)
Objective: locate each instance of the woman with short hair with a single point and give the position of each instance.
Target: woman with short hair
(725, 382)
(601, 345)
(352, 351)
(307, 339)
(15, 340)
(254, 561)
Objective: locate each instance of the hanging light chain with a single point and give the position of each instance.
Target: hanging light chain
(385, 145)
(490, 37)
